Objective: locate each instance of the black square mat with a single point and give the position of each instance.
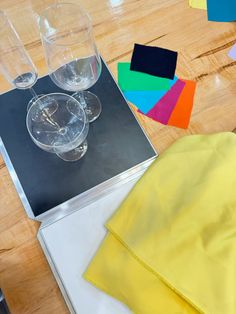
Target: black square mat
(116, 143)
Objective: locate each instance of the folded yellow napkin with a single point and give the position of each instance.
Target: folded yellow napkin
(171, 246)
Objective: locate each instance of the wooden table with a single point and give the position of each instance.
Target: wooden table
(25, 277)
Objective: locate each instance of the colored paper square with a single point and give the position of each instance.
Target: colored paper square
(162, 111)
(221, 11)
(198, 4)
(232, 53)
(181, 114)
(154, 61)
(145, 100)
(132, 81)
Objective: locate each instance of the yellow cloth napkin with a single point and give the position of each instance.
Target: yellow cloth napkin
(171, 246)
(198, 4)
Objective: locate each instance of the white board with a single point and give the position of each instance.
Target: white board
(70, 244)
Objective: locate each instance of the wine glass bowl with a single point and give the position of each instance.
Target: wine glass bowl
(58, 124)
(15, 62)
(71, 53)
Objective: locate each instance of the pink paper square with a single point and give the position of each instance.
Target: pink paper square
(162, 110)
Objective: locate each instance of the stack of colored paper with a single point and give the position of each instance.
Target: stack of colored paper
(161, 96)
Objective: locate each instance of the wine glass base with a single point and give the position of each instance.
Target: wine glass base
(32, 101)
(75, 154)
(92, 106)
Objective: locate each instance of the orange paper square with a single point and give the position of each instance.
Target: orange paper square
(181, 114)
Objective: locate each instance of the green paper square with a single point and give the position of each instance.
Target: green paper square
(132, 81)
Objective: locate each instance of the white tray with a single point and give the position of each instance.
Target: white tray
(71, 242)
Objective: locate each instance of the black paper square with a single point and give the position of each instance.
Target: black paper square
(154, 60)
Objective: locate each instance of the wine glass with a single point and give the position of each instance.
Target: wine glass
(15, 63)
(72, 57)
(64, 132)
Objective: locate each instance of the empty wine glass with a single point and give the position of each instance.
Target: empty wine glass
(72, 57)
(15, 63)
(64, 131)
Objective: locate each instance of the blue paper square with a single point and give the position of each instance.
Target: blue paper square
(145, 100)
(221, 11)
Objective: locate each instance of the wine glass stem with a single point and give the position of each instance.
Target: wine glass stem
(33, 93)
(45, 113)
(82, 100)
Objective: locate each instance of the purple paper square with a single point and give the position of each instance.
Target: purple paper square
(232, 53)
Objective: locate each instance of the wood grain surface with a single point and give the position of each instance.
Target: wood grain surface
(25, 277)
